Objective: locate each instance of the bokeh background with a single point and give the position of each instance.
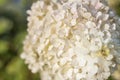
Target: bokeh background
(13, 27)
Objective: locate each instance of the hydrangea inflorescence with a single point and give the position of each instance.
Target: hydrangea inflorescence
(72, 40)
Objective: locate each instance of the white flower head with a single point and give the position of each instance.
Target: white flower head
(72, 40)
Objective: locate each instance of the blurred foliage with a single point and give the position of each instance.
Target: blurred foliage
(13, 26)
(2, 2)
(115, 4)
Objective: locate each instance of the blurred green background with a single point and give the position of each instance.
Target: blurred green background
(13, 27)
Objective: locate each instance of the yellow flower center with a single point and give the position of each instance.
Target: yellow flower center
(104, 52)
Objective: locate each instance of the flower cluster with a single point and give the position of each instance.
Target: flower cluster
(72, 40)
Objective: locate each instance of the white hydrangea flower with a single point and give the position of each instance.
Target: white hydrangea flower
(72, 40)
